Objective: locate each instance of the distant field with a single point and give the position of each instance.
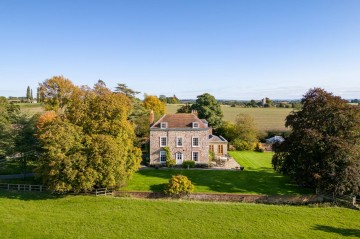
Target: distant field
(265, 118)
(28, 215)
(31, 108)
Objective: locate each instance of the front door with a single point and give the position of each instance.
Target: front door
(179, 158)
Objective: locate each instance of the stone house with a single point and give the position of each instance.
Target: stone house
(188, 138)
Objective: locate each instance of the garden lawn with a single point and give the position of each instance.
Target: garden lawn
(256, 179)
(28, 215)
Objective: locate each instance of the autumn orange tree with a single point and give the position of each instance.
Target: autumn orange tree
(89, 143)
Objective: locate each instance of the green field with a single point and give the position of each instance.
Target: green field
(31, 108)
(265, 118)
(28, 215)
(257, 178)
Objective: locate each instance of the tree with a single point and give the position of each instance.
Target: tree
(123, 89)
(28, 93)
(243, 133)
(25, 144)
(31, 95)
(90, 144)
(323, 147)
(151, 102)
(163, 98)
(38, 95)
(184, 109)
(208, 108)
(56, 92)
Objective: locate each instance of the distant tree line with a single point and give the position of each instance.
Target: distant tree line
(170, 100)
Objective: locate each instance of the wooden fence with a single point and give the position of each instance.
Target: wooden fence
(102, 191)
(349, 200)
(22, 187)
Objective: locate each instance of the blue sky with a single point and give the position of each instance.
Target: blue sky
(231, 49)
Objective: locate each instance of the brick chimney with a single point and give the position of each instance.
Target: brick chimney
(151, 117)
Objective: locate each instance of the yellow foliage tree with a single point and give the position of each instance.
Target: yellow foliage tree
(152, 102)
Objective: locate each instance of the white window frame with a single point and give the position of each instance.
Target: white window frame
(163, 125)
(195, 124)
(192, 156)
(162, 153)
(192, 142)
(177, 142)
(161, 142)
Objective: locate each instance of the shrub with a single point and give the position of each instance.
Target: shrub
(188, 164)
(179, 185)
(212, 156)
(243, 145)
(258, 148)
(170, 163)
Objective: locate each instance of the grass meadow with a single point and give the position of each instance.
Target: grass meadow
(31, 108)
(257, 178)
(265, 118)
(28, 215)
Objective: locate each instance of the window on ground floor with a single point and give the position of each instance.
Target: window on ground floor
(195, 156)
(162, 156)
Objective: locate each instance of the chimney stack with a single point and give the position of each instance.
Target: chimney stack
(151, 117)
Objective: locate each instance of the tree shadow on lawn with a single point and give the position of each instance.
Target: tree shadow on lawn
(28, 196)
(261, 181)
(340, 231)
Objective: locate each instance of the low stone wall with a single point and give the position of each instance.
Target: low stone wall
(220, 197)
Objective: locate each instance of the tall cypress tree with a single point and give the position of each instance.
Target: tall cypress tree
(28, 93)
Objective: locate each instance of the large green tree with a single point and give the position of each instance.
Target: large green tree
(323, 147)
(208, 108)
(91, 144)
(243, 133)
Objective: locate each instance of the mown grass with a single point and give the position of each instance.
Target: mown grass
(256, 179)
(28, 215)
(265, 118)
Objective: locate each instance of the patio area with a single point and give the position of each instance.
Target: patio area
(226, 163)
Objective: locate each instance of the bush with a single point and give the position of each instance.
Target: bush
(188, 164)
(258, 148)
(179, 185)
(212, 156)
(243, 145)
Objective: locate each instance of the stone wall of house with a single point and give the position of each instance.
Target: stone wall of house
(187, 147)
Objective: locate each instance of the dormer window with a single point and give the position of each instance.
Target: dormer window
(195, 125)
(163, 125)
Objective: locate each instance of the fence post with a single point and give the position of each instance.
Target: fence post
(40, 188)
(105, 191)
(30, 188)
(18, 187)
(354, 201)
(8, 186)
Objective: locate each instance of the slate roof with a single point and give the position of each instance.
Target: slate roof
(183, 120)
(275, 139)
(214, 138)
